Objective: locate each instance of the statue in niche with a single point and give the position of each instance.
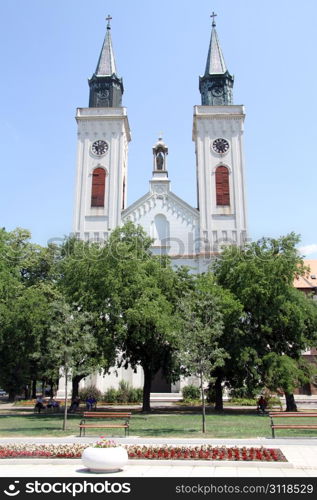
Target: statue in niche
(159, 161)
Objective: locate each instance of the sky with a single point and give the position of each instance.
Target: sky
(49, 49)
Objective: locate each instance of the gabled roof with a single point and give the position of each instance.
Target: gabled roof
(173, 197)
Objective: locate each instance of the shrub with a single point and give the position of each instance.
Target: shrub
(110, 395)
(91, 390)
(190, 392)
(274, 401)
(243, 401)
(244, 392)
(125, 394)
(136, 395)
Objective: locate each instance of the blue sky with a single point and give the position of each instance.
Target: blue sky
(50, 48)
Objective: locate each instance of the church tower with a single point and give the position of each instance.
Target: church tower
(218, 136)
(102, 151)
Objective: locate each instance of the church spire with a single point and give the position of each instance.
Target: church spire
(106, 64)
(106, 87)
(216, 84)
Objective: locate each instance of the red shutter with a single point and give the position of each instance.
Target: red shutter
(98, 188)
(222, 186)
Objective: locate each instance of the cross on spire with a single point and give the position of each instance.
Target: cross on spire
(108, 19)
(213, 15)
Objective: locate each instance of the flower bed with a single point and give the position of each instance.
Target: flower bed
(205, 452)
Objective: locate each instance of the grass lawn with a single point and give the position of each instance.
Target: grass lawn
(181, 424)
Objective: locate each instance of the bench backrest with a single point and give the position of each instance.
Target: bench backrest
(285, 415)
(107, 414)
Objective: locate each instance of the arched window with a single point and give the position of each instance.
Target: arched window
(160, 231)
(222, 186)
(98, 187)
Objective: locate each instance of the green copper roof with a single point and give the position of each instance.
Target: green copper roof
(215, 61)
(106, 65)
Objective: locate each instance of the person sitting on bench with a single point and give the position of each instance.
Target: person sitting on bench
(52, 404)
(262, 404)
(74, 405)
(90, 403)
(39, 405)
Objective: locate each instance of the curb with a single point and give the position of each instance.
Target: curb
(151, 462)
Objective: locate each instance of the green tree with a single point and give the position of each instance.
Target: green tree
(286, 374)
(200, 338)
(277, 318)
(71, 343)
(24, 311)
(135, 295)
(146, 296)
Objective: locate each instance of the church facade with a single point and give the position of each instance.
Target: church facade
(189, 235)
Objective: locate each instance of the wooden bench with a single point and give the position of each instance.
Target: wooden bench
(101, 425)
(277, 414)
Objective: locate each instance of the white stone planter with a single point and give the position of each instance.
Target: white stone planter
(105, 459)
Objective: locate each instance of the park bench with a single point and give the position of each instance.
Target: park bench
(291, 425)
(105, 416)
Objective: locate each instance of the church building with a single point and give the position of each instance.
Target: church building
(189, 235)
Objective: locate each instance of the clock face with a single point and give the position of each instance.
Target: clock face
(99, 148)
(217, 91)
(220, 146)
(103, 94)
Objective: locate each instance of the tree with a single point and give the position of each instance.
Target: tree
(146, 290)
(133, 293)
(24, 310)
(71, 343)
(277, 318)
(286, 374)
(202, 327)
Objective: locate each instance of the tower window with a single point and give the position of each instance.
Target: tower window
(98, 187)
(123, 194)
(222, 186)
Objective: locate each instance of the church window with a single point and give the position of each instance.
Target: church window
(222, 186)
(98, 187)
(123, 194)
(160, 230)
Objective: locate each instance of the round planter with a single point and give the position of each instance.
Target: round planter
(105, 459)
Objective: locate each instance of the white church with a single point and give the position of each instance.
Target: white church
(189, 235)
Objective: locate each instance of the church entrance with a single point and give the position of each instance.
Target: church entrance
(159, 383)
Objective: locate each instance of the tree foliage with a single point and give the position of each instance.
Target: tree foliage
(277, 318)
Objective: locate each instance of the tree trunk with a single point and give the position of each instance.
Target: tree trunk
(218, 394)
(33, 389)
(203, 402)
(12, 395)
(75, 384)
(290, 402)
(51, 390)
(146, 408)
(65, 401)
(26, 392)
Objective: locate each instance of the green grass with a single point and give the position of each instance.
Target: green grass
(176, 423)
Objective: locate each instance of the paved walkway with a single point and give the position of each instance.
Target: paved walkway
(300, 453)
